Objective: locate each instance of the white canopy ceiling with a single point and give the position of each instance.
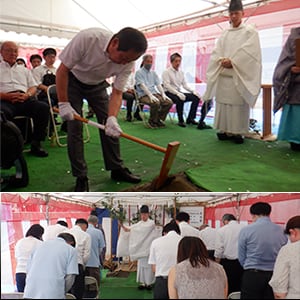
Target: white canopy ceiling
(137, 198)
(63, 18)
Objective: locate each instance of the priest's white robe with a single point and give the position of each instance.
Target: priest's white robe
(139, 240)
(236, 89)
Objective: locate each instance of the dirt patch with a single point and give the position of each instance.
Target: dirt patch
(174, 183)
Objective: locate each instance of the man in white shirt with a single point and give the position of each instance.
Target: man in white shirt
(83, 246)
(52, 231)
(163, 256)
(39, 73)
(93, 55)
(208, 235)
(226, 251)
(183, 220)
(129, 96)
(173, 81)
(52, 268)
(97, 246)
(17, 95)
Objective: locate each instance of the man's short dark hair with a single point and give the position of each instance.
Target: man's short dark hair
(228, 217)
(171, 226)
(35, 56)
(131, 39)
(68, 237)
(62, 223)
(174, 56)
(260, 208)
(48, 51)
(182, 216)
(292, 223)
(81, 221)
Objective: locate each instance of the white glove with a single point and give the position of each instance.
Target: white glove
(112, 128)
(154, 99)
(181, 96)
(197, 94)
(66, 111)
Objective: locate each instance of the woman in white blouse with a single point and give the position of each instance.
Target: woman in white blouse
(23, 250)
(286, 274)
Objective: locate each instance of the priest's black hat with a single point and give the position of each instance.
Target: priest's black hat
(235, 5)
(144, 209)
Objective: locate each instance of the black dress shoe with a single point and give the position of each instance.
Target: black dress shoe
(141, 287)
(238, 139)
(138, 117)
(222, 136)
(295, 146)
(38, 151)
(181, 124)
(123, 174)
(128, 118)
(193, 122)
(82, 184)
(202, 125)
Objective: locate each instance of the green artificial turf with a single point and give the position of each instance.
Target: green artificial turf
(122, 288)
(211, 164)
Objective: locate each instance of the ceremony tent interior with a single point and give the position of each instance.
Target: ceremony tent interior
(191, 29)
(20, 210)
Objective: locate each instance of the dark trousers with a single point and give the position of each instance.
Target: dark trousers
(32, 108)
(78, 286)
(234, 272)
(20, 281)
(97, 98)
(160, 290)
(255, 285)
(129, 102)
(180, 105)
(205, 108)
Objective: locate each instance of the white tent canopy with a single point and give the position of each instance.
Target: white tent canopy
(134, 198)
(63, 18)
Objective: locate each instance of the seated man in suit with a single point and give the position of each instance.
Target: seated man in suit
(150, 92)
(17, 94)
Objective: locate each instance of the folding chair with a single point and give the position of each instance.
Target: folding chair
(234, 295)
(55, 136)
(91, 288)
(27, 126)
(12, 295)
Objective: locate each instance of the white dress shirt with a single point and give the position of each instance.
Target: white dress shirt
(226, 245)
(52, 231)
(163, 253)
(24, 248)
(86, 56)
(83, 244)
(173, 80)
(208, 236)
(188, 230)
(15, 78)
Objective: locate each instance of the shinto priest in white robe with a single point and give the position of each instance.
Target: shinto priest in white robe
(235, 89)
(136, 244)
